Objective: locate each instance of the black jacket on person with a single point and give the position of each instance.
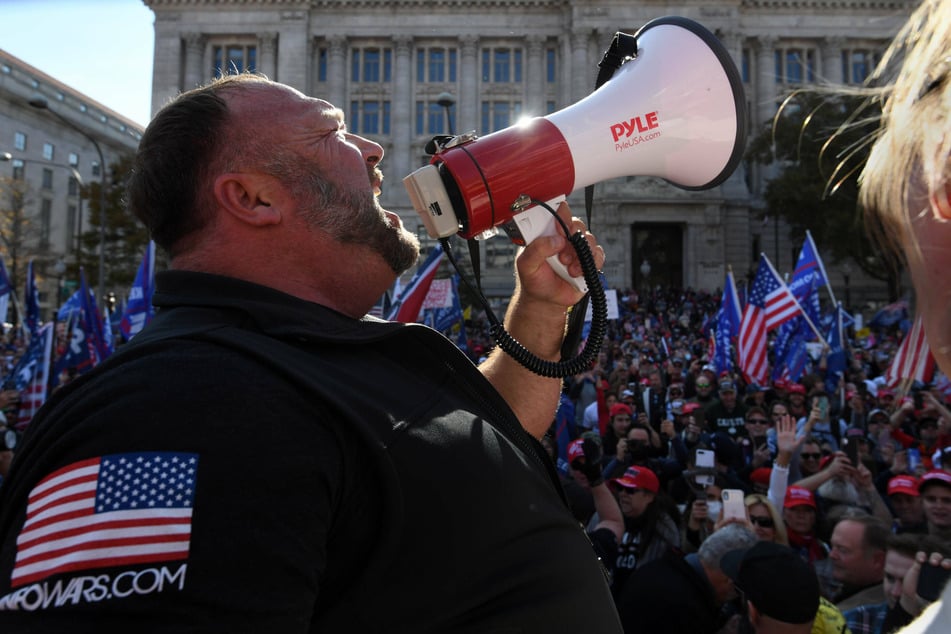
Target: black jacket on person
(668, 596)
(344, 476)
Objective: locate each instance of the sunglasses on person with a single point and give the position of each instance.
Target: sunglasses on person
(763, 521)
(757, 421)
(810, 456)
(703, 385)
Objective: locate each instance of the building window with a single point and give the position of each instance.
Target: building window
(551, 66)
(234, 59)
(47, 178)
(73, 187)
(369, 117)
(19, 141)
(95, 168)
(73, 159)
(436, 65)
(46, 217)
(371, 65)
(502, 65)
(48, 151)
(857, 65)
(17, 170)
(549, 107)
(745, 57)
(497, 115)
(431, 118)
(795, 66)
(322, 65)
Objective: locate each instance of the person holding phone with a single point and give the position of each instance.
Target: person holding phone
(899, 588)
(820, 422)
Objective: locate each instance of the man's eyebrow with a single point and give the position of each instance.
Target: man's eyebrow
(337, 114)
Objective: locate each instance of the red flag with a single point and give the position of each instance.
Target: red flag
(913, 360)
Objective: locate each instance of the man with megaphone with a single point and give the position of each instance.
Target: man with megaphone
(263, 457)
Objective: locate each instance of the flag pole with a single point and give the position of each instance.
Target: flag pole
(819, 263)
(798, 305)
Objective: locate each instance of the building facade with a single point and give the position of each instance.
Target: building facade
(405, 70)
(46, 155)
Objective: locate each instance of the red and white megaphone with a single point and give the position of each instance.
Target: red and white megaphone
(675, 110)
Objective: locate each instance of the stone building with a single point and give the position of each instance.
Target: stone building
(47, 153)
(389, 64)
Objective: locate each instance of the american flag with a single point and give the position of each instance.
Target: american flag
(410, 302)
(108, 511)
(33, 394)
(913, 361)
(769, 305)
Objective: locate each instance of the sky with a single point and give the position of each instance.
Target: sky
(102, 48)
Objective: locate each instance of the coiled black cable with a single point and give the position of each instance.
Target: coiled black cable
(599, 314)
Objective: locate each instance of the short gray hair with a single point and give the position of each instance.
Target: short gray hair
(730, 537)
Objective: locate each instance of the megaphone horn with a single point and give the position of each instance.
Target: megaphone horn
(675, 111)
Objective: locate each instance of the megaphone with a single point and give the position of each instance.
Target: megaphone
(675, 110)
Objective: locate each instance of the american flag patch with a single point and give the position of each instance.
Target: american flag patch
(113, 510)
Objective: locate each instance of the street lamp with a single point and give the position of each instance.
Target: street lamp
(6, 156)
(447, 101)
(41, 104)
(60, 269)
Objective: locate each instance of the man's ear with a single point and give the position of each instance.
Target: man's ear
(250, 198)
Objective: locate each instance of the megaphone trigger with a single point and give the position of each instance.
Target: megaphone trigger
(536, 221)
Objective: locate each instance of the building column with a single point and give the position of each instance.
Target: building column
(194, 56)
(402, 108)
(580, 69)
(468, 98)
(337, 71)
(535, 76)
(267, 60)
(831, 52)
(765, 90)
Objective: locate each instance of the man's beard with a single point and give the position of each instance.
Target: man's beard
(355, 217)
(839, 492)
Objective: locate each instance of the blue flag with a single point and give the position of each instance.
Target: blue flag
(79, 353)
(31, 297)
(92, 321)
(837, 357)
(138, 311)
(728, 326)
(810, 273)
(73, 305)
(794, 361)
(31, 361)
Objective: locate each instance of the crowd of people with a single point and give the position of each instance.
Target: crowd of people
(854, 482)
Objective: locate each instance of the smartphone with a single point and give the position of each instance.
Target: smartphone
(704, 460)
(931, 581)
(733, 505)
(759, 442)
(914, 458)
(823, 407)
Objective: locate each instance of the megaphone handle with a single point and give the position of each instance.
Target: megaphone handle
(537, 221)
